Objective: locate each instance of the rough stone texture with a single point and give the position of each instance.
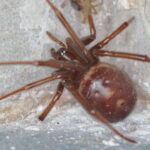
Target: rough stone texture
(22, 28)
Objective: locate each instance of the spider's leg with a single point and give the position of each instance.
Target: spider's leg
(132, 56)
(104, 42)
(34, 84)
(52, 37)
(62, 53)
(50, 63)
(80, 44)
(55, 98)
(68, 53)
(88, 39)
(92, 111)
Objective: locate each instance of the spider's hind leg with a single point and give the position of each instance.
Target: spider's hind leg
(33, 84)
(56, 97)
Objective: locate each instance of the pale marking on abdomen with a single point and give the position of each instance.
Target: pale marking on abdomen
(87, 77)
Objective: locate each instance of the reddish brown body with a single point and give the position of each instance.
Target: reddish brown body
(106, 92)
(109, 90)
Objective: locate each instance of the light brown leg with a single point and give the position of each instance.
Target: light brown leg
(104, 42)
(90, 109)
(50, 63)
(132, 56)
(56, 97)
(80, 44)
(88, 39)
(34, 84)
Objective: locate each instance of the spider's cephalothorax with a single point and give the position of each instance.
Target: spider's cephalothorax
(106, 92)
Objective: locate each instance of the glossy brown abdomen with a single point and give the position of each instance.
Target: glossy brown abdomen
(108, 90)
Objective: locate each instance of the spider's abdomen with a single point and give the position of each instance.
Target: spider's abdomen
(109, 90)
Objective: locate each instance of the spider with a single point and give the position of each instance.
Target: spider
(106, 92)
(87, 7)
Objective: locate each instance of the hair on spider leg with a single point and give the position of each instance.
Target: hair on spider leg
(106, 92)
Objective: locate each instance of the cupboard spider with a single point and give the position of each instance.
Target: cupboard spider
(105, 92)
